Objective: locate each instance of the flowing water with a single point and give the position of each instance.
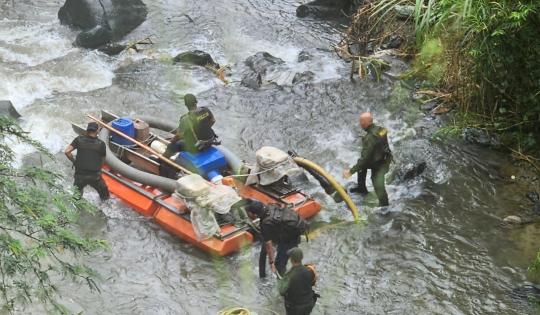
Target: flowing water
(438, 249)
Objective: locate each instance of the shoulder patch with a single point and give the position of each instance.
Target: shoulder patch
(383, 132)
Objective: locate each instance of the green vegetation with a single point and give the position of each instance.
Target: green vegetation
(38, 242)
(485, 54)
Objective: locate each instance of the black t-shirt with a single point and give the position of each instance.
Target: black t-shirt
(90, 154)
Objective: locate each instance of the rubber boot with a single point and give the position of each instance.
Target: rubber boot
(361, 187)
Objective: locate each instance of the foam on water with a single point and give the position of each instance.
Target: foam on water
(70, 75)
(33, 44)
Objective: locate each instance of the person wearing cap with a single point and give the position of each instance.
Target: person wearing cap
(194, 132)
(376, 156)
(296, 286)
(90, 157)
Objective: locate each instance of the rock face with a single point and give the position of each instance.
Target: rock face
(325, 9)
(198, 58)
(7, 109)
(102, 21)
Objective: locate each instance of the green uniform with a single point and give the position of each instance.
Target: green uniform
(187, 134)
(376, 156)
(194, 132)
(296, 287)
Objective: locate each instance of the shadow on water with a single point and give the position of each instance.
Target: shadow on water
(437, 249)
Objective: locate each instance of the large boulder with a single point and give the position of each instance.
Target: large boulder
(102, 21)
(261, 62)
(198, 58)
(258, 66)
(326, 9)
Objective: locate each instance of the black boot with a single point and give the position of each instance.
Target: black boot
(359, 190)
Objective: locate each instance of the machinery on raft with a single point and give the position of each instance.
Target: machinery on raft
(195, 198)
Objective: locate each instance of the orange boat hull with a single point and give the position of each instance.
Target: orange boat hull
(172, 214)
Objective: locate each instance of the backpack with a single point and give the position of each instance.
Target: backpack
(284, 224)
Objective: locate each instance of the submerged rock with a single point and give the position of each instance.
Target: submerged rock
(325, 9)
(304, 56)
(197, 57)
(303, 77)
(529, 216)
(261, 62)
(481, 137)
(410, 171)
(252, 80)
(102, 21)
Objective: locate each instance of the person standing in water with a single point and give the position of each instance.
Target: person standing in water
(91, 153)
(296, 285)
(376, 156)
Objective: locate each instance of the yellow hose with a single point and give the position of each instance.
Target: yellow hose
(342, 193)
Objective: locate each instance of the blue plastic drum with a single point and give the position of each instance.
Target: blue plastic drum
(127, 127)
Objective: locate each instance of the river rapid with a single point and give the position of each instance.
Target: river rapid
(438, 249)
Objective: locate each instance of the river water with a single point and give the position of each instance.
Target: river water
(438, 249)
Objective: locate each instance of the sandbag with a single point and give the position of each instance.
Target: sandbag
(219, 198)
(192, 186)
(272, 165)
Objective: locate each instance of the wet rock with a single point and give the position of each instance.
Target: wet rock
(528, 216)
(102, 21)
(303, 77)
(198, 58)
(395, 66)
(112, 49)
(528, 292)
(411, 171)
(404, 11)
(392, 42)
(252, 80)
(304, 56)
(80, 14)
(326, 9)
(7, 109)
(481, 137)
(512, 219)
(261, 62)
(429, 106)
(95, 37)
(356, 49)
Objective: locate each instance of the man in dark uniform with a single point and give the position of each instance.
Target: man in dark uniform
(91, 153)
(194, 133)
(376, 155)
(273, 232)
(296, 285)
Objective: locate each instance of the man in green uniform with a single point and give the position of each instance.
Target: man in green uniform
(376, 155)
(194, 133)
(91, 153)
(296, 285)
